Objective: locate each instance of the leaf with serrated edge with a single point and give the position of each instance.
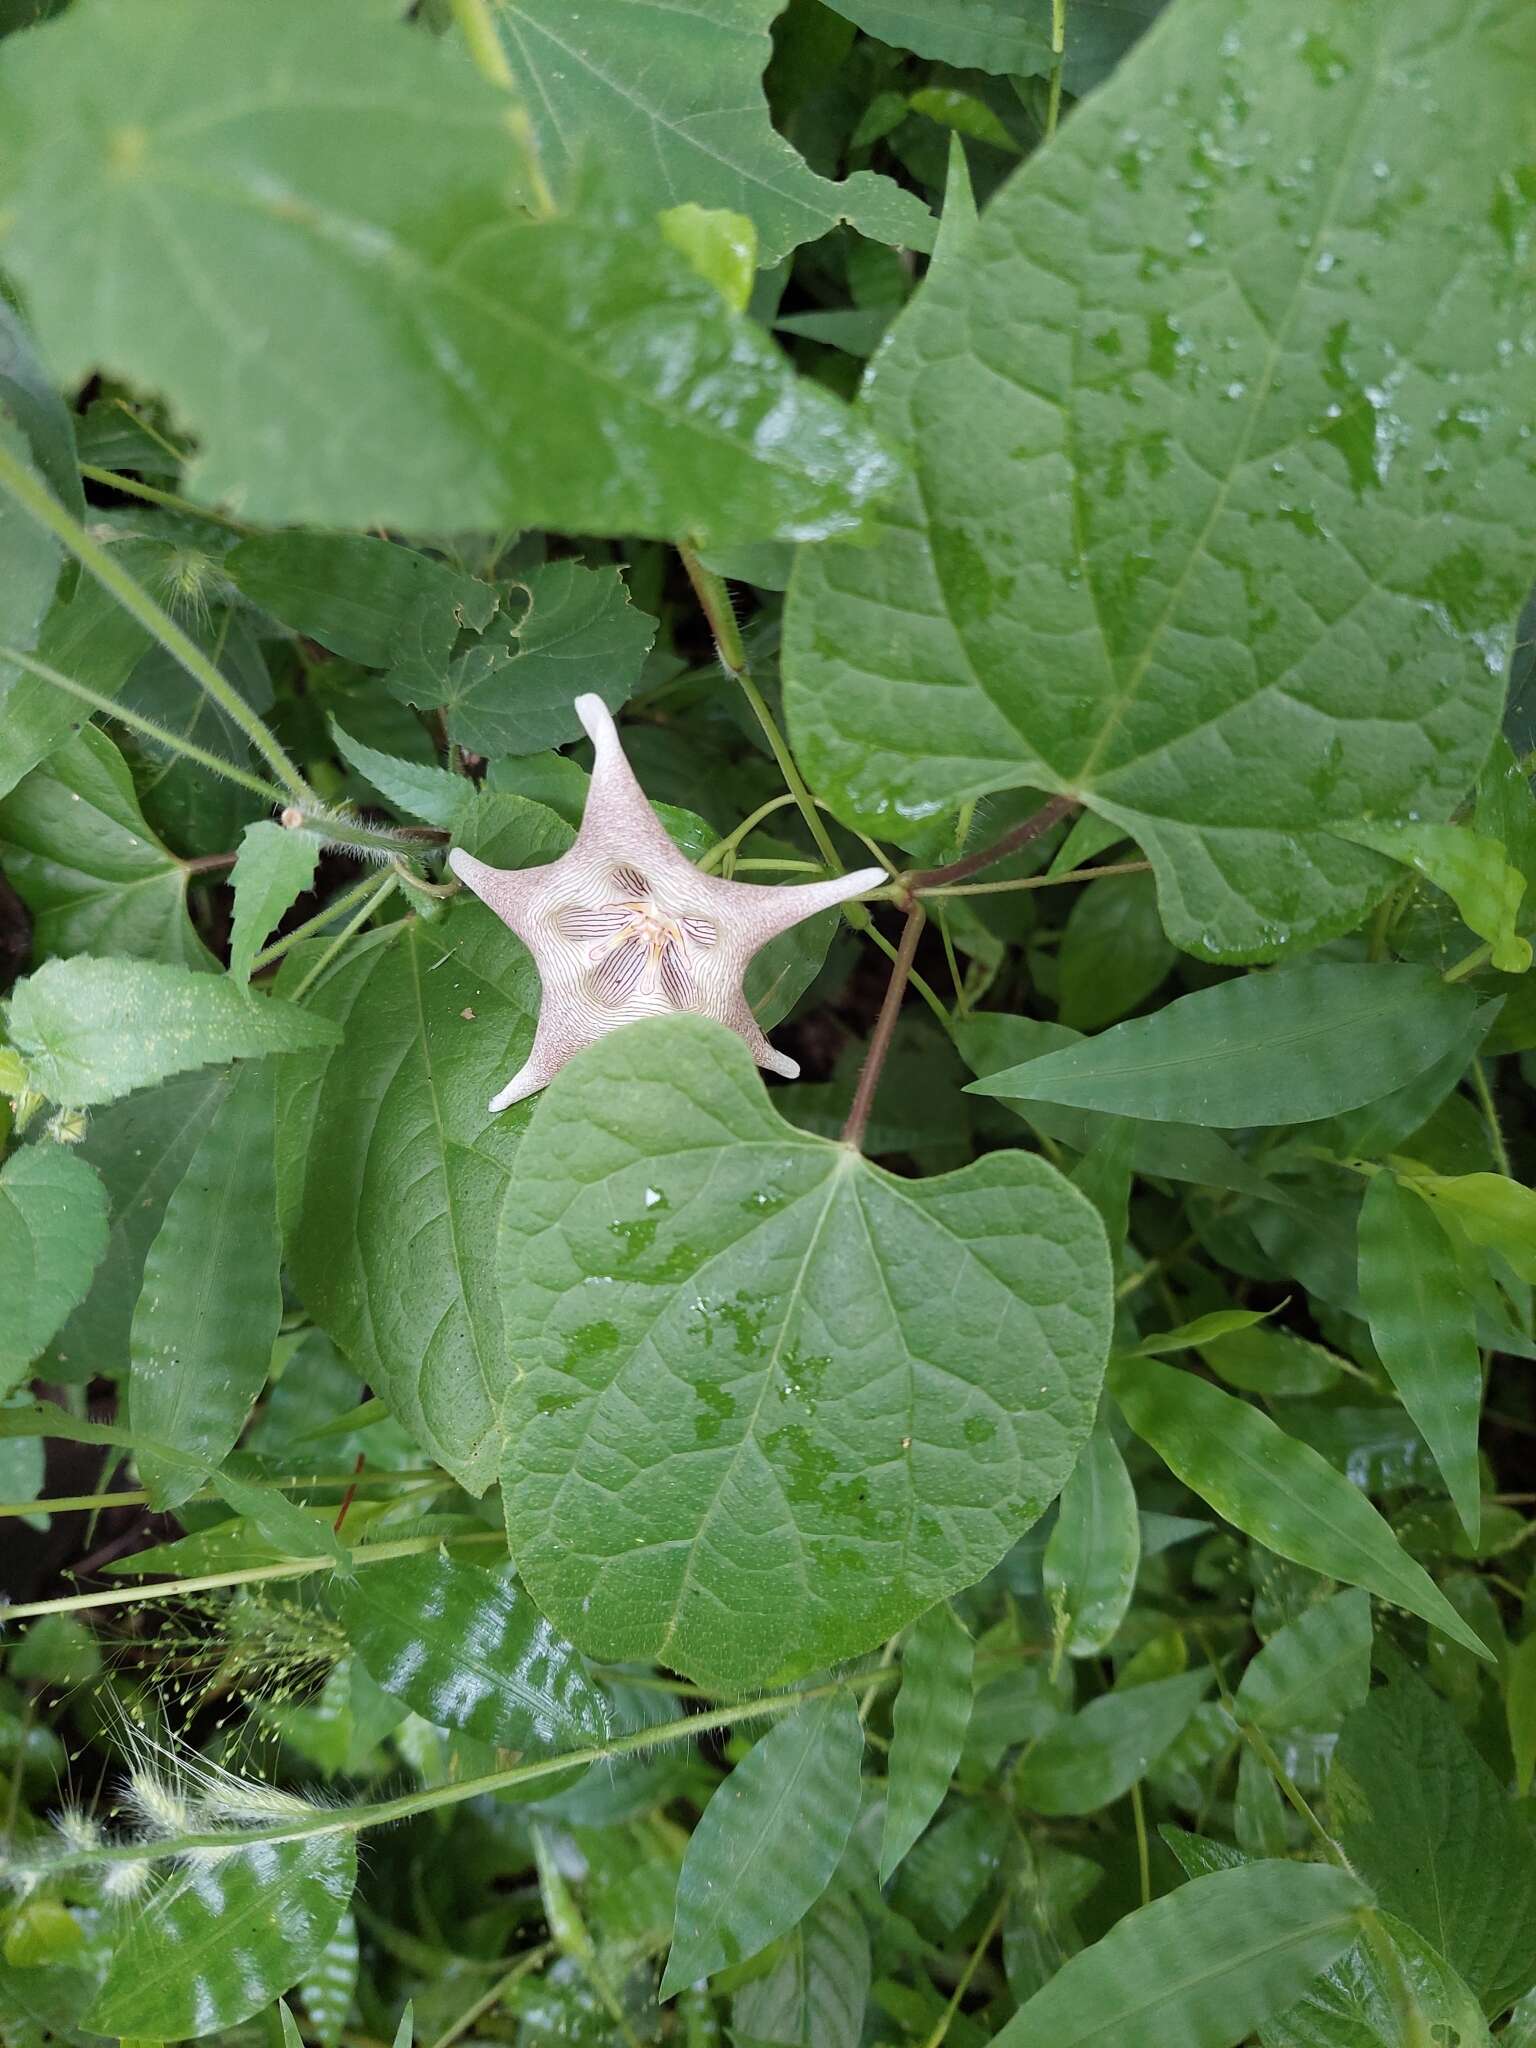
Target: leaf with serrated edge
(53, 1231)
(300, 223)
(931, 1715)
(671, 98)
(860, 1389)
(769, 1841)
(208, 1313)
(273, 869)
(1197, 528)
(91, 1030)
(1276, 1489)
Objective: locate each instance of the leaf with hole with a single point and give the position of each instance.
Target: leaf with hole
(860, 1389)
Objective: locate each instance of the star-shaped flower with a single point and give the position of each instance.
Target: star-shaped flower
(624, 925)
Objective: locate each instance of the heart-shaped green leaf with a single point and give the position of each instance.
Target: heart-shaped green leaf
(770, 1401)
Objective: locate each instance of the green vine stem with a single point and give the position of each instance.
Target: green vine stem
(36, 500)
(316, 926)
(137, 722)
(151, 494)
(136, 1497)
(383, 887)
(305, 1823)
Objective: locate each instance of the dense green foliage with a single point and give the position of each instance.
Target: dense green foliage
(1022, 1533)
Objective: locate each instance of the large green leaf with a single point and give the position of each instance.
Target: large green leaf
(512, 694)
(1283, 1047)
(91, 1030)
(770, 1401)
(817, 1990)
(468, 1649)
(140, 1148)
(208, 1313)
(78, 853)
(1201, 1967)
(1424, 1326)
(223, 1935)
(1220, 498)
(1431, 1829)
(53, 1231)
(394, 1172)
(1008, 35)
(1279, 1491)
(1311, 1672)
(299, 222)
(671, 98)
(769, 1841)
(1095, 1548)
(350, 592)
(1097, 1755)
(932, 1713)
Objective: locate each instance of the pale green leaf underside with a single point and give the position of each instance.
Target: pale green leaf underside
(670, 97)
(302, 227)
(769, 1402)
(1220, 495)
(53, 1230)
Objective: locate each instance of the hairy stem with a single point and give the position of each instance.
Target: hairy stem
(137, 722)
(1118, 867)
(36, 500)
(1038, 822)
(387, 883)
(312, 928)
(338, 830)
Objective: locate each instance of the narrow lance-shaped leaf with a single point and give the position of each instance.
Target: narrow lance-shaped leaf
(1095, 1548)
(1490, 1209)
(1311, 1672)
(1097, 1755)
(769, 1841)
(818, 1988)
(1200, 1968)
(931, 1715)
(860, 1389)
(468, 1649)
(1275, 1489)
(208, 1313)
(222, 1935)
(53, 1231)
(1170, 425)
(326, 1988)
(91, 1030)
(1424, 1327)
(381, 334)
(1270, 1048)
(274, 868)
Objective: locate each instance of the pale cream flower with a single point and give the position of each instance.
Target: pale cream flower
(624, 926)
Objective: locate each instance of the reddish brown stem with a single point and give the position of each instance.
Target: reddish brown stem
(1032, 827)
(885, 1026)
